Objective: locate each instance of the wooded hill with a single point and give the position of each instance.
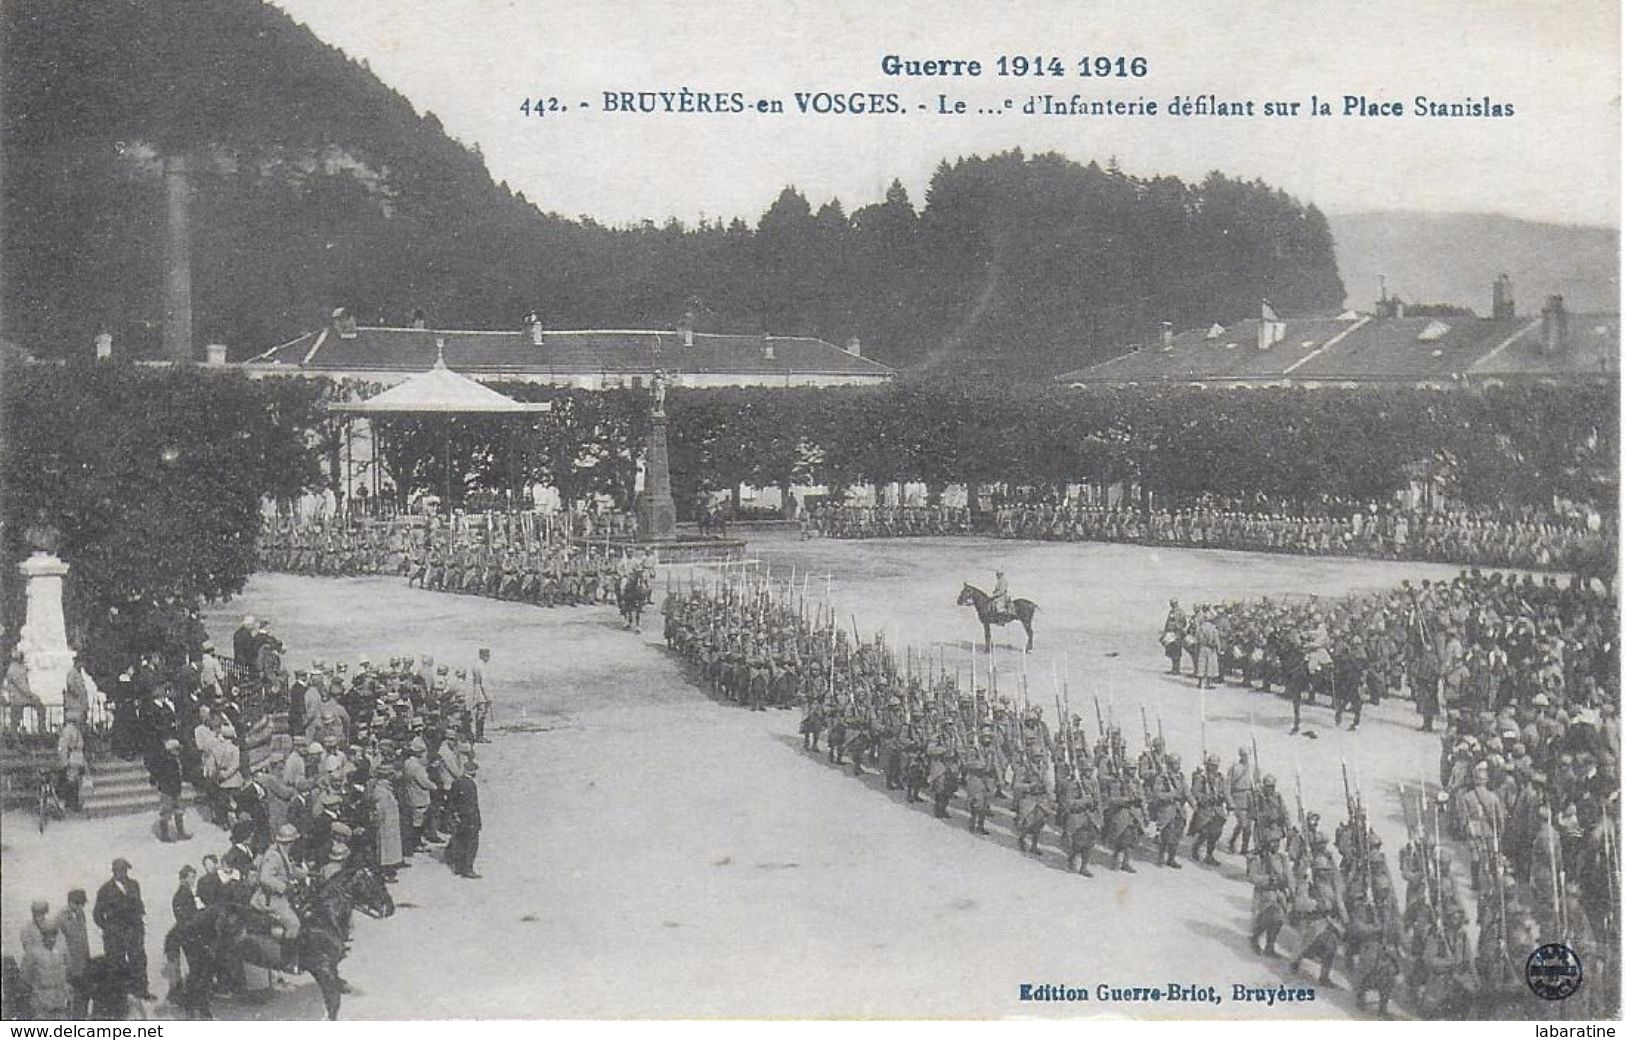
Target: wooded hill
(317, 185)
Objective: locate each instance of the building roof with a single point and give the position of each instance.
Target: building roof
(1361, 348)
(567, 352)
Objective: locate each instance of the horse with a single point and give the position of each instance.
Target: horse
(224, 931)
(631, 597)
(971, 596)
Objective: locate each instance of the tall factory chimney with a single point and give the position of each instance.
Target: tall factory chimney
(178, 262)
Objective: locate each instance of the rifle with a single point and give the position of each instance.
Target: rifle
(1297, 781)
(1100, 723)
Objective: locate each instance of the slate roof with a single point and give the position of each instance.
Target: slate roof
(1369, 349)
(583, 352)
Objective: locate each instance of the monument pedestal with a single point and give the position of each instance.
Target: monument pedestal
(44, 638)
(655, 510)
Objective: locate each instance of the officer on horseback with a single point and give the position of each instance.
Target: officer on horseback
(1000, 600)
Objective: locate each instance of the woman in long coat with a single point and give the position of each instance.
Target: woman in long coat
(386, 812)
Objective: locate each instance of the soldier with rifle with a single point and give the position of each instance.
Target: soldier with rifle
(1124, 801)
(1080, 807)
(1211, 795)
(942, 774)
(978, 767)
(1269, 816)
(1242, 781)
(1032, 808)
(1168, 808)
(1271, 876)
(1320, 916)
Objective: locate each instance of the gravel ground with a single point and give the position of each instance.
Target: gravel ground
(649, 852)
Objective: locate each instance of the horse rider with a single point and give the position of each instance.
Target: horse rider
(1000, 600)
(278, 871)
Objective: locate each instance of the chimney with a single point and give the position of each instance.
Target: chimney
(1167, 335)
(104, 344)
(1554, 325)
(854, 346)
(177, 261)
(215, 353)
(686, 327)
(1502, 308)
(344, 323)
(419, 319)
(533, 328)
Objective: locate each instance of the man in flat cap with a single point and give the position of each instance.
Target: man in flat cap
(121, 915)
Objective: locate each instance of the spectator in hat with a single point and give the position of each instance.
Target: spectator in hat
(386, 820)
(45, 969)
(243, 646)
(76, 941)
(464, 801)
(211, 674)
(167, 778)
(419, 793)
(70, 759)
(39, 912)
(121, 915)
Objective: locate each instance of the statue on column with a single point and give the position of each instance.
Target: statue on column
(657, 387)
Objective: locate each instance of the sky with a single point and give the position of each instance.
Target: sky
(472, 63)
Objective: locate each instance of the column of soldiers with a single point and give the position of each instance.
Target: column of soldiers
(834, 521)
(1356, 531)
(1464, 538)
(936, 740)
(499, 558)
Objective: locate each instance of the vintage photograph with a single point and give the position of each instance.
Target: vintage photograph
(549, 509)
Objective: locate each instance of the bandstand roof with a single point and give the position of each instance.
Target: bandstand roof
(440, 391)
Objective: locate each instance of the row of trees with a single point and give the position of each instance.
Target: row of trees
(1511, 446)
(149, 480)
(316, 185)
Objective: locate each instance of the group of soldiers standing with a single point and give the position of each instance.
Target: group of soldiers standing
(1495, 541)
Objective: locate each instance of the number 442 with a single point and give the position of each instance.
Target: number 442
(540, 106)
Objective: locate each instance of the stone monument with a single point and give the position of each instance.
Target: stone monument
(656, 512)
(44, 638)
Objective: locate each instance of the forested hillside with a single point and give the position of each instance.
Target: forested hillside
(316, 185)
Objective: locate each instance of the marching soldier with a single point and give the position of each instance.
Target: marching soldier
(1032, 809)
(1241, 779)
(1125, 818)
(1080, 806)
(978, 769)
(1212, 799)
(941, 776)
(1321, 917)
(1168, 797)
(1269, 816)
(1271, 876)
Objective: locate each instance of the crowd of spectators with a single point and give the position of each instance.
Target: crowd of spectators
(334, 768)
